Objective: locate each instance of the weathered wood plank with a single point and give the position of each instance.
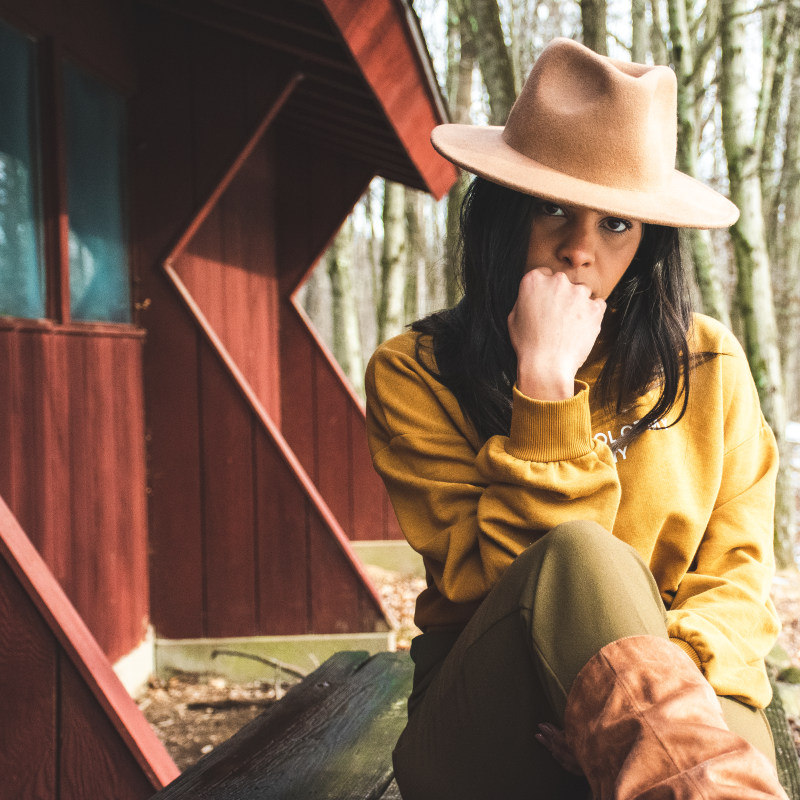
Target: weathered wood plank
(392, 793)
(330, 738)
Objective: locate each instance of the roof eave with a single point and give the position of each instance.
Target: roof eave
(384, 39)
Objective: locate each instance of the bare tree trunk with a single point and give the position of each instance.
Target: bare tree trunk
(788, 283)
(393, 273)
(315, 298)
(754, 290)
(493, 57)
(346, 336)
(658, 44)
(779, 40)
(461, 71)
(639, 32)
(415, 288)
(593, 20)
(706, 275)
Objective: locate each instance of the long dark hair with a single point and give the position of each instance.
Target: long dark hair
(645, 330)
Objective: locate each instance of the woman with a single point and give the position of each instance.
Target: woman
(585, 469)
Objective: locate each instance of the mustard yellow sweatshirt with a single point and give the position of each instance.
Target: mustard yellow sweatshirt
(695, 500)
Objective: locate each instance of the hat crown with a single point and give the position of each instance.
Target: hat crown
(608, 122)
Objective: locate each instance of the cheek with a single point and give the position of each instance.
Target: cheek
(618, 264)
(532, 252)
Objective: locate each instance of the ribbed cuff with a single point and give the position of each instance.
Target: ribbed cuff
(689, 650)
(551, 430)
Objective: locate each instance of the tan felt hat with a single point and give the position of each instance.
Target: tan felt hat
(595, 132)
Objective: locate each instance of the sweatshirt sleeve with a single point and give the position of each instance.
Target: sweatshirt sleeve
(722, 615)
(471, 508)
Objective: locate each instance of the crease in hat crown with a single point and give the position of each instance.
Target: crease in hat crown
(593, 131)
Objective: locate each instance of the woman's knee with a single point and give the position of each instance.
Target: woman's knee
(581, 543)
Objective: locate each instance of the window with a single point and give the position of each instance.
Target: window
(98, 267)
(85, 151)
(22, 276)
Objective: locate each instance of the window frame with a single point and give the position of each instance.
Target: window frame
(50, 56)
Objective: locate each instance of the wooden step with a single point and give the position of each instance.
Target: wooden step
(330, 738)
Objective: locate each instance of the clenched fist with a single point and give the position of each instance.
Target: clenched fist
(553, 327)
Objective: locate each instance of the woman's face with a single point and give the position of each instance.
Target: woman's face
(591, 248)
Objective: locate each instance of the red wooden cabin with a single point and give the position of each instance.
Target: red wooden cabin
(174, 440)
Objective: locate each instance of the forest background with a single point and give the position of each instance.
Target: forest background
(738, 70)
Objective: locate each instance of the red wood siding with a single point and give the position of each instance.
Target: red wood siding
(241, 542)
(331, 438)
(72, 469)
(321, 419)
(229, 268)
(69, 731)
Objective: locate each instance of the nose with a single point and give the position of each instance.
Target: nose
(577, 245)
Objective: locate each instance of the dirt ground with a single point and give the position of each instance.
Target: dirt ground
(192, 714)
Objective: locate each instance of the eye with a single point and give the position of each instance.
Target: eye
(551, 209)
(617, 225)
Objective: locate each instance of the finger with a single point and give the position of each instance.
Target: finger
(555, 741)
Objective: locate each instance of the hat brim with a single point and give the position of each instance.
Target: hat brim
(683, 202)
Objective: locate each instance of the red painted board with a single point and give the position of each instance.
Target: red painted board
(81, 583)
(369, 494)
(364, 520)
(101, 572)
(162, 130)
(176, 559)
(317, 190)
(298, 391)
(129, 504)
(219, 105)
(28, 675)
(29, 495)
(250, 313)
(282, 511)
(228, 484)
(140, 615)
(340, 602)
(72, 635)
(265, 75)
(56, 500)
(10, 418)
(94, 760)
(200, 267)
(335, 479)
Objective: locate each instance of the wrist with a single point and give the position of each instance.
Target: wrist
(549, 386)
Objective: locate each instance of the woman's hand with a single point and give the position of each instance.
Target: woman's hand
(555, 740)
(553, 327)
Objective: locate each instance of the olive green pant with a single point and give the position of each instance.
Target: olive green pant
(480, 696)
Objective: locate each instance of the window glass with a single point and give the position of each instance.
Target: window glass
(98, 262)
(22, 278)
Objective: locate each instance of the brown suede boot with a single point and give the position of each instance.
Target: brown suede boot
(644, 724)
